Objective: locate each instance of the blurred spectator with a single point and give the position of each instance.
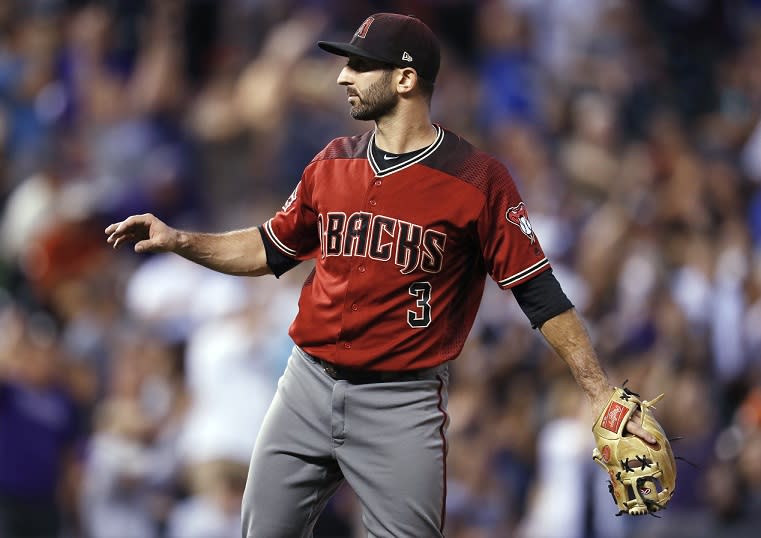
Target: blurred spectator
(131, 470)
(39, 429)
(213, 509)
(119, 474)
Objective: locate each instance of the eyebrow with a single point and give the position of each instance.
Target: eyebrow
(360, 64)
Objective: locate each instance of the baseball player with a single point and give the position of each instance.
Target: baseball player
(403, 223)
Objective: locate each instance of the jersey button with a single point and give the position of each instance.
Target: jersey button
(361, 268)
(355, 307)
(373, 203)
(378, 183)
(347, 345)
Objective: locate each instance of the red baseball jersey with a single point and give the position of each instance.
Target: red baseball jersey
(401, 253)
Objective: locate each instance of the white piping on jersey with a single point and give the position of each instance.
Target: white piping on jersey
(541, 264)
(276, 241)
(403, 164)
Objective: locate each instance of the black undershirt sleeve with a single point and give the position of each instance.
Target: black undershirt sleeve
(278, 262)
(541, 298)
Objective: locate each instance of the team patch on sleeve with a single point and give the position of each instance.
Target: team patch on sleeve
(276, 241)
(292, 198)
(517, 277)
(518, 215)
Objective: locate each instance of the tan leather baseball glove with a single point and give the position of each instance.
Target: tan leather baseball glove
(642, 475)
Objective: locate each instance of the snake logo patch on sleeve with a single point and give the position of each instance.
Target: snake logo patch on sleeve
(518, 215)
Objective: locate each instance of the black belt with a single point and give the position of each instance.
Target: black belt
(357, 376)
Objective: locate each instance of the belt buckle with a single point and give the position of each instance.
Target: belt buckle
(330, 370)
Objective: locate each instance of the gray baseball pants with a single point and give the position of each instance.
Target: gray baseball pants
(388, 440)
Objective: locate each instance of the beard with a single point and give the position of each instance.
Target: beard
(380, 99)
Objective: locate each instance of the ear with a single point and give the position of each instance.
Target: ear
(407, 80)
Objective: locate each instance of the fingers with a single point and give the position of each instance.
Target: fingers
(126, 223)
(116, 241)
(141, 246)
(130, 229)
(634, 428)
(118, 237)
(146, 246)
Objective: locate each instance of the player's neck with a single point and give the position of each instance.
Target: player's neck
(404, 132)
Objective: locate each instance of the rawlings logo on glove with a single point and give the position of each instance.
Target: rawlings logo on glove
(642, 475)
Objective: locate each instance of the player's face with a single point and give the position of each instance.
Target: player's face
(369, 87)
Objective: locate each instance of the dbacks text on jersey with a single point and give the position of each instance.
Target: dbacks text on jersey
(382, 238)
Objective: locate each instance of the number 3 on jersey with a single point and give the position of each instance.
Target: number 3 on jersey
(422, 316)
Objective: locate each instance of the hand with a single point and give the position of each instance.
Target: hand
(147, 232)
(642, 474)
(633, 425)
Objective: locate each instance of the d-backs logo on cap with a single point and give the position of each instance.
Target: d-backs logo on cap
(364, 27)
(518, 215)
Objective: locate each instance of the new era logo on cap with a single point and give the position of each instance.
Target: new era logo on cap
(390, 38)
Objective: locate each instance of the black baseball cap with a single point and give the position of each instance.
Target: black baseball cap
(400, 40)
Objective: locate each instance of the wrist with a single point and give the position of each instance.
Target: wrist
(600, 395)
(179, 241)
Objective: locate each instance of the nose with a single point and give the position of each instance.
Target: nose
(345, 76)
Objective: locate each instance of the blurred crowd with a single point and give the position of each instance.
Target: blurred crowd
(132, 387)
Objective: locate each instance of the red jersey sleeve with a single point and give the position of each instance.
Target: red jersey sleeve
(509, 244)
(294, 229)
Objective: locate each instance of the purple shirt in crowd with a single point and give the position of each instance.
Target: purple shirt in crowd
(36, 426)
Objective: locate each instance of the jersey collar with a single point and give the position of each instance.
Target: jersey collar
(382, 172)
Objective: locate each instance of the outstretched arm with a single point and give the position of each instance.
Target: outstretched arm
(568, 337)
(240, 252)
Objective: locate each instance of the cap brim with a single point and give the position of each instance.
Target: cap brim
(347, 49)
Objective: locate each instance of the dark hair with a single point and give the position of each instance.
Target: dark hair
(426, 87)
